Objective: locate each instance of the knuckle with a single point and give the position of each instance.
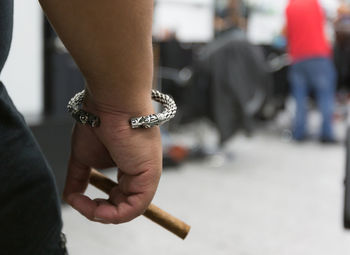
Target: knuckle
(116, 221)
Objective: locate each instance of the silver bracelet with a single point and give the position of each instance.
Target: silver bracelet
(84, 117)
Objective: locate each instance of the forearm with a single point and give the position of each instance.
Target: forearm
(111, 41)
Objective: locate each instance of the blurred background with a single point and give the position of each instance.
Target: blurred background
(232, 169)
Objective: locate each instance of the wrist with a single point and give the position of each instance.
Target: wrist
(135, 101)
(86, 110)
(127, 107)
(118, 112)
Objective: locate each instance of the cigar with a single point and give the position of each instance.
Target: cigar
(154, 213)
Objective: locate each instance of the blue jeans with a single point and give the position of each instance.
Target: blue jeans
(318, 75)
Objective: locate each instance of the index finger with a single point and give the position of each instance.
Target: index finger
(122, 208)
(77, 177)
(76, 183)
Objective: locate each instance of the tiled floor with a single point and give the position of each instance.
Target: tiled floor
(272, 198)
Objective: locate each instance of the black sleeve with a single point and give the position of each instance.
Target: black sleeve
(6, 24)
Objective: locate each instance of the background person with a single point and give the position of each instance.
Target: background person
(312, 67)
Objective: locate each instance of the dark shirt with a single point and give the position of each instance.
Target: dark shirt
(30, 217)
(6, 23)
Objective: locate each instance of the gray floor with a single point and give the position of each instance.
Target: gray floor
(272, 197)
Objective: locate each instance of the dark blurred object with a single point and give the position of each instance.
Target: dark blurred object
(62, 78)
(278, 64)
(174, 59)
(175, 155)
(346, 215)
(342, 30)
(231, 83)
(342, 25)
(342, 49)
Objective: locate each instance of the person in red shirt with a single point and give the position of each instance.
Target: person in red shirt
(312, 67)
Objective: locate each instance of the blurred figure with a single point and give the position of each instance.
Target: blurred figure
(312, 67)
(342, 45)
(232, 17)
(343, 9)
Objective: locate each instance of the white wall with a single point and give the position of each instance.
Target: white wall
(22, 74)
(191, 20)
(266, 20)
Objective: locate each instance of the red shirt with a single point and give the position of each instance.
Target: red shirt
(305, 30)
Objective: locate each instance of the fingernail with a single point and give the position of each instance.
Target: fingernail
(98, 219)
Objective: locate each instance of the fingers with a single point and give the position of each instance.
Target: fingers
(120, 175)
(100, 202)
(121, 208)
(77, 178)
(127, 201)
(83, 204)
(76, 183)
(104, 211)
(146, 181)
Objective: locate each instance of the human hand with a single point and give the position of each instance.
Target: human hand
(136, 152)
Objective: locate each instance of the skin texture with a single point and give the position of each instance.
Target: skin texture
(111, 42)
